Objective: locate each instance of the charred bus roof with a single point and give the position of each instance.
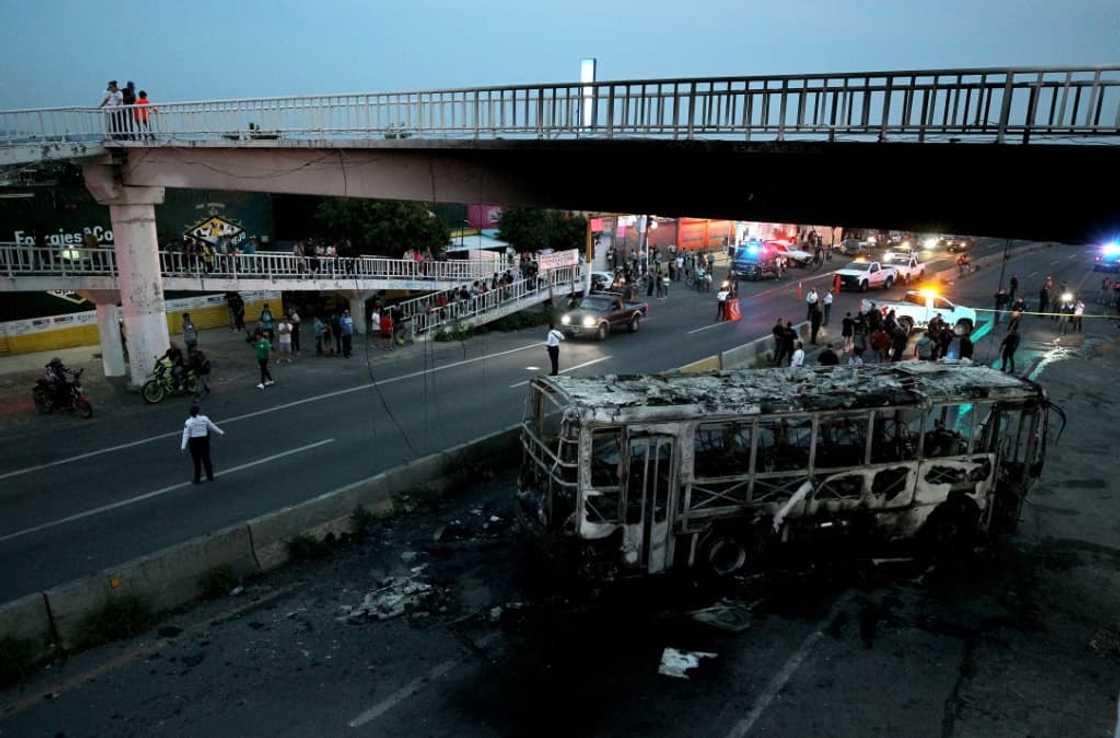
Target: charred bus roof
(632, 398)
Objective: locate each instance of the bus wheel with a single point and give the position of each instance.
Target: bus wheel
(951, 530)
(725, 555)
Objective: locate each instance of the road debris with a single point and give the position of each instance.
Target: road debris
(733, 616)
(675, 663)
(395, 597)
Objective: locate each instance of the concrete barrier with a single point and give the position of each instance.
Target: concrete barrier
(759, 350)
(172, 576)
(69, 604)
(707, 364)
(27, 619)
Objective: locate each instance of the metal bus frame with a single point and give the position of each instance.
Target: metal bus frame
(686, 515)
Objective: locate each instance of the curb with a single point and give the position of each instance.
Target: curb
(170, 578)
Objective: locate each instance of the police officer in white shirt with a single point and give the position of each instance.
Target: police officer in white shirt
(553, 343)
(196, 433)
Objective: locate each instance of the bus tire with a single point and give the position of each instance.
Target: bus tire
(952, 529)
(725, 555)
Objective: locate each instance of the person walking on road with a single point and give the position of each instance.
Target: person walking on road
(1008, 348)
(553, 344)
(721, 302)
(263, 347)
(196, 435)
(346, 322)
(1043, 300)
(827, 302)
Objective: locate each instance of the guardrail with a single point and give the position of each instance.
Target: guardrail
(991, 104)
(427, 319)
(24, 260)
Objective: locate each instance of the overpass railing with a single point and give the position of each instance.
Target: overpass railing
(429, 316)
(1001, 105)
(27, 260)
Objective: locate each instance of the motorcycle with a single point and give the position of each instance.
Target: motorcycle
(162, 384)
(72, 398)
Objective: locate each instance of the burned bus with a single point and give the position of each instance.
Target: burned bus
(642, 474)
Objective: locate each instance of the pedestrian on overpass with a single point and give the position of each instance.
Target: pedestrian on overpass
(196, 434)
(553, 343)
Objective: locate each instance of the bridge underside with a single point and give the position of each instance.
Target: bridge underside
(1037, 191)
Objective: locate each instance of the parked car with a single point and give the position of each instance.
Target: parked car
(599, 314)
(864, 275)
(906, 266)
(854, 247)
(602, 281)
(795, 257)
(918, 307)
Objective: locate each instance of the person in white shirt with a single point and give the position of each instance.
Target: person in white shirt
(798, 356)
(553, 344)
(811, 299)
(196, 434)
(827, 302)
(284, 337)
(113, 99)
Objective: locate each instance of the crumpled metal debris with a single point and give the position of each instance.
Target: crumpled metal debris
(676, 663)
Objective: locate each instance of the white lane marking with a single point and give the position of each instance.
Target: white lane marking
(775, 685)
(1030, 275)
(403, 693)
(565, 371)
(266, 411)
(158, 492)
(713, 325)
(532, 368)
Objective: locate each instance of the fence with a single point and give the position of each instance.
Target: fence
(426, 314)
(65, 261)
(1000, 105)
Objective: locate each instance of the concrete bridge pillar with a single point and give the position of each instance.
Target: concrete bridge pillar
(133, 214)
(357, 299)
(108, 329)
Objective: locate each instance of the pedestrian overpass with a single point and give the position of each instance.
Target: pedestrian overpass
(26, 268)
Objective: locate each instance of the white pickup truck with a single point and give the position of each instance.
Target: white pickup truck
(906, 266)
(864, 275)
(917, 308)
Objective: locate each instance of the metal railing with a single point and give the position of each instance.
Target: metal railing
(26, 260)
(427, 315)
(1001, 105)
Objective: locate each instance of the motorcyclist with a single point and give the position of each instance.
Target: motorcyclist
(173, 358)
(55, 377)
(200, 365)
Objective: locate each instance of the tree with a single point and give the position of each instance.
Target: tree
(533, 229)
(382, 227)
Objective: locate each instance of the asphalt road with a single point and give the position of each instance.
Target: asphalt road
(83, 497)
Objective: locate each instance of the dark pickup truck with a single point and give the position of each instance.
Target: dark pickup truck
(600, 313)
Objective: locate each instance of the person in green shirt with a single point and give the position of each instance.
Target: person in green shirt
(264, 348)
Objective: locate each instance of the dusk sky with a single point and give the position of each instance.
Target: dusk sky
(61, 52)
